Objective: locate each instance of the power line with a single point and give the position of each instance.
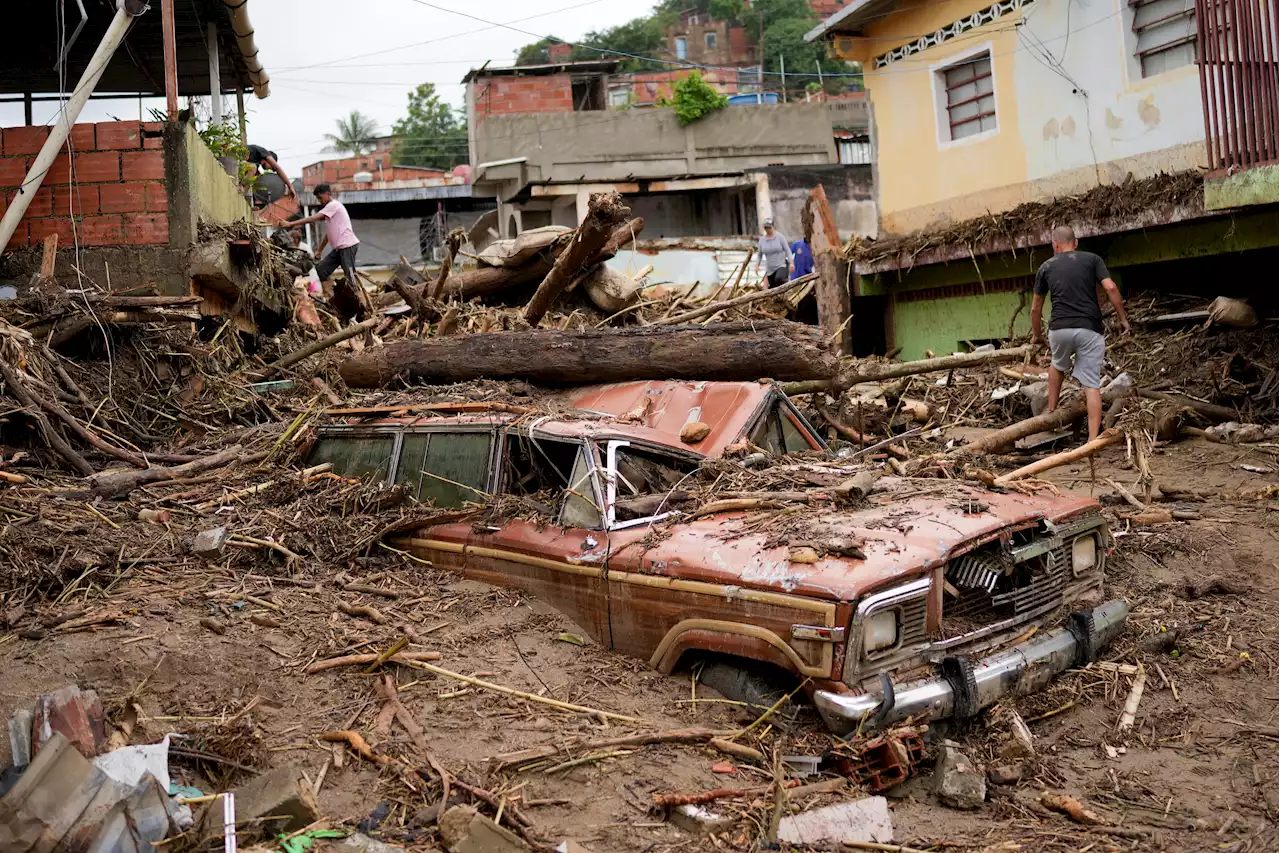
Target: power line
(490, 25)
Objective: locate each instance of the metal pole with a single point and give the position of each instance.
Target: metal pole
(62, 129)
(169, 41)
(26, 108)
(782, 66)
(822, 86)
(215, 75)
(244, 136)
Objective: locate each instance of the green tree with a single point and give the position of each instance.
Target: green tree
(639, 36)
(785, 24)
(355, 134)
(537, 53)
(693, 98)
(431, 133)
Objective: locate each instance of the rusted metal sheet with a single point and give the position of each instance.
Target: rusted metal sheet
(1238, 67)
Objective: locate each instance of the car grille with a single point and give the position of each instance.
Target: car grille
(994, 590)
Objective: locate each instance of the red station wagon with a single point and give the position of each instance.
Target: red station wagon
(956, 596)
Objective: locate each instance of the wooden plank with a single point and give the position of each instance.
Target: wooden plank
(831, 292)
(49, 257)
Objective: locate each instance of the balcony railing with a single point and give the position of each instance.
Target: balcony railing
(1238, 68)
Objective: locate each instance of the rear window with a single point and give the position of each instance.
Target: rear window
(446, 469)
(363, 457)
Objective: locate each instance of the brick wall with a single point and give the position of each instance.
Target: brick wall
(338, 172)
(546, 93)
(118, 194)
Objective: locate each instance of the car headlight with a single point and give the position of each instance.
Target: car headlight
(1084, 554)
(880, 631)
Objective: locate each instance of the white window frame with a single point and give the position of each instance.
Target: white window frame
(681, 54)
(1133, 39)
(709, 39)
(941, 117)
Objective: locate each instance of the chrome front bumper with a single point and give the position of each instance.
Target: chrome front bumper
(967, 687)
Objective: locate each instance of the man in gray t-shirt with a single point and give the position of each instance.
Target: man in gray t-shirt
(774, 253)
(1071, 278)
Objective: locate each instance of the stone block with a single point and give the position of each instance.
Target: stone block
(857, 822)
(209, 543)
(957, 781)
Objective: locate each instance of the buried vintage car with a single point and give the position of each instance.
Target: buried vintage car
(928, 598)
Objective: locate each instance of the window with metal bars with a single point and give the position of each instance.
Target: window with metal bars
(1166, 34)
(970, 96)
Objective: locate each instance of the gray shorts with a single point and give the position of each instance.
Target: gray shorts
(1087, 346)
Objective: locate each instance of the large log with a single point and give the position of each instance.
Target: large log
(875, 372)
(831, 292)
(1066, 457)
(724, 351)
(604, 213)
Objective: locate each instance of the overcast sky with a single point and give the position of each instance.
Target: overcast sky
(329, 57)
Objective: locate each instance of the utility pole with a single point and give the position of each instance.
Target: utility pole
(822, 87)
(782, 62)
(760, 44)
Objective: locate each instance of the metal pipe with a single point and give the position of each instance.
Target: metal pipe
(215, 74)
(168, 39)
(244, 134)
(67, 117)
(1203, 61)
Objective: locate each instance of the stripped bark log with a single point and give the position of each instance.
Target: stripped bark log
(604, 213)
(1210, 411)
(322, 344)
(892, 370)
(118, 482)
(453, 243)
(724, 352)
(1066, 457)
(996, 441)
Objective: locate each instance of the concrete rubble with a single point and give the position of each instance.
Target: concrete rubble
(957, 782)
(860, 821)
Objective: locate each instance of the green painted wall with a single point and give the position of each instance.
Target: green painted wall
(942, 325)
(1251, 186)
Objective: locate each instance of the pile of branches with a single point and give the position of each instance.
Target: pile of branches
(1105, 203)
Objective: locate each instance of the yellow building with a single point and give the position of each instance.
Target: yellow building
(978, 108)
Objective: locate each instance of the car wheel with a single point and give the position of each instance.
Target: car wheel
(757, 685)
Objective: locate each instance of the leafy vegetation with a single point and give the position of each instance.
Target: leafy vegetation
(354, 134)
(431, 134)
(781, 23)
(694, 98)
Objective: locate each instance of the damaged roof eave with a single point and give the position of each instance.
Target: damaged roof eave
(242, 30)
(848, 20)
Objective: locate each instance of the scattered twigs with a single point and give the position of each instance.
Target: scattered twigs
(716, 307)
(541, 753)
(322, 344)
(668, 801)
(870, 372)
(373, 614)
(52, 436)
(520, 694)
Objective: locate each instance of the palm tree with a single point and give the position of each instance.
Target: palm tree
(355, 134)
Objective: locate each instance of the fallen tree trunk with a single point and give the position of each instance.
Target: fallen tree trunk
(721, 351)
(123, 481)
(1002, 438)
(756, 296)
(892, 370)
(1210, 411)
(604, 214)
(1066, 457)
(452, 244)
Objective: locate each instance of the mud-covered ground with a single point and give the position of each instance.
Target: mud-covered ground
(1197, 772)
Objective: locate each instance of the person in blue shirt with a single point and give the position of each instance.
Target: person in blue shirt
(803, 258)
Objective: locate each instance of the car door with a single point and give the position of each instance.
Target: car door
(561, 562)
(448, 468)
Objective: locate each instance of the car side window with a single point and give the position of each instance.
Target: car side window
(645, 479)
(446, 469)
(777, 433)
(360, 457)
(553, 477)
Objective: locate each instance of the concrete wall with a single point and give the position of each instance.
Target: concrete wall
(849, 193)
(616, 145)
(215, 196)
(1082, 117)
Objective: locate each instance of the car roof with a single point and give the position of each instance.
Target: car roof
(652, 412)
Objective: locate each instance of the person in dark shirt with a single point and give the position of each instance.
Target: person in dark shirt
(261, 158)
(803, 257)
(1072, 278)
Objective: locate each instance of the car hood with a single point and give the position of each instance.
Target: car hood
(905, 528)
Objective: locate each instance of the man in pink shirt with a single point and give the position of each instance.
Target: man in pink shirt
(338, 233)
